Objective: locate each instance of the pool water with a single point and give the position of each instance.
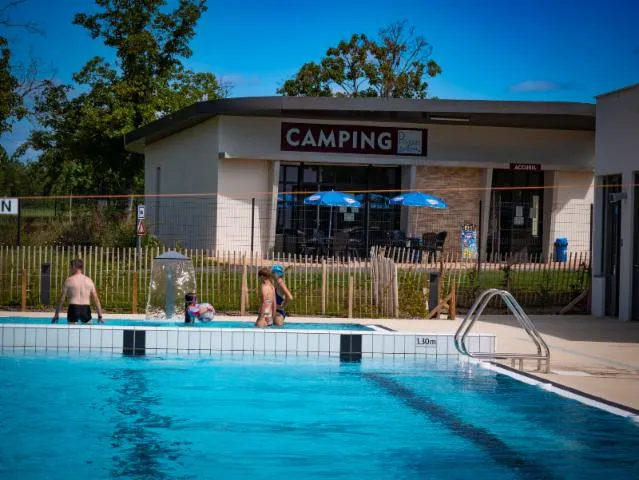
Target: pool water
(231, 417)
(213, 324)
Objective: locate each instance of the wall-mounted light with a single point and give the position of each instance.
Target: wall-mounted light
(450, 119)
(617, 197)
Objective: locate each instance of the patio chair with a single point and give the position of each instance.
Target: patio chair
(345, 245)
(440, 240)
(316, 244)
(396, 238)
(433, 244)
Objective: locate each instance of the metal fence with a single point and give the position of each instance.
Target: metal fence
(321, 286)
(282, 224)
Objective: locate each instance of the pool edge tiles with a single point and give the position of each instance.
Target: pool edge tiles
(589, 399)
(347, 344)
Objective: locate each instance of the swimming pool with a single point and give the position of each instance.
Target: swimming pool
(168, 417)
(214, 324)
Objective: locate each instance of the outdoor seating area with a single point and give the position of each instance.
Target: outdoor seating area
(357, 241)
(331, 239)
(351, 243)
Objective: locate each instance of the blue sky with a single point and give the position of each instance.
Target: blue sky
(562, 50)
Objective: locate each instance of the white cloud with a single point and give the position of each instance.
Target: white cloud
(530, 86)
(238, 79)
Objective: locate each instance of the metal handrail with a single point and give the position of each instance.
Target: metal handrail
(543, 352)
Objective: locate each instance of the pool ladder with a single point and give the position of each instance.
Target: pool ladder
(543, 352)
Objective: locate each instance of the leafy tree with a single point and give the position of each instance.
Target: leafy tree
(82, 126)
(17, 80)
(395, 64)
(11, 107)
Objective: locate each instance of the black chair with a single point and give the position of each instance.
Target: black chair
(440, 240)
(429, 245)
(396, 238)
(317, 244)
(344, 245)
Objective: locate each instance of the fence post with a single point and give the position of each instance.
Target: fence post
(433, 296)
(134, 295)
(252, 223)
(244, 293)
(45, 284)
(23, 299)
(323, 286)
(19, 220)
(350, 296)
(395, 288)
(452, 309)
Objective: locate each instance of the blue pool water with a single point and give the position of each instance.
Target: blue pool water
(233, 417)
(213, 324)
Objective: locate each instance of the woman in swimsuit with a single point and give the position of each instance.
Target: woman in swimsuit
(267, 299)
(283, 295)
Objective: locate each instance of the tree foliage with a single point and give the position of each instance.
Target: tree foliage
(17, 80)
(80, 138)
(397, 63)
(11, 107)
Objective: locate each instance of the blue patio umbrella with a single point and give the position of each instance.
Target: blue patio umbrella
(417, 199)
(331, 199)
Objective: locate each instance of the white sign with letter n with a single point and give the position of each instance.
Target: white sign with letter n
(9, 206)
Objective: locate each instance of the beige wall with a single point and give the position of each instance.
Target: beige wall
(617, 152)
(448, 145)
(463, 205)
(571, 198)
(239, 156)
(617, 146)
(188, 164)
(240, 180)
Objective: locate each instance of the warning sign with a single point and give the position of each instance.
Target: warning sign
(141, 229)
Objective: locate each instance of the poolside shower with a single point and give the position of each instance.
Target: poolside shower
(172, 277)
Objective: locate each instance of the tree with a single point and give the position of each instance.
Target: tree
(395, 64)
(11, 107)
(17, 80)
(81, 133)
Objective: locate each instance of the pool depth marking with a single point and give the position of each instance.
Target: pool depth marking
(498, 450)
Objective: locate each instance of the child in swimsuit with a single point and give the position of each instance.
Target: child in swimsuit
(203, 312)
(283, 295)
(267, 299)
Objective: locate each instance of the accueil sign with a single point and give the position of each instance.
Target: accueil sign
(312, 137)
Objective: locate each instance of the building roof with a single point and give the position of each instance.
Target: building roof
(619, 90)
(547, 115)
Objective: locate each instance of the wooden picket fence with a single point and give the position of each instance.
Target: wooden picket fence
(381, 286)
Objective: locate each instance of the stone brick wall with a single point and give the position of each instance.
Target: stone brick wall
(463, 204)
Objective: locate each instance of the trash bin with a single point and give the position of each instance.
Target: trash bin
(561, 250)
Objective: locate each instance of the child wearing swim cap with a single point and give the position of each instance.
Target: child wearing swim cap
(283, 295)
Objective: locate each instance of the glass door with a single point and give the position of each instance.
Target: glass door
(611, 243)
(515, 224)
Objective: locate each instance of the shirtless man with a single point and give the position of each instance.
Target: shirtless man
(79, 288)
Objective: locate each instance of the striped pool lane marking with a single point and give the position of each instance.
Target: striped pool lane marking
(496, 448)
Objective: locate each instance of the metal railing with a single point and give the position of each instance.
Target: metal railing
(543, 352)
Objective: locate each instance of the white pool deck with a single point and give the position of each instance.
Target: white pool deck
(597, 356)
